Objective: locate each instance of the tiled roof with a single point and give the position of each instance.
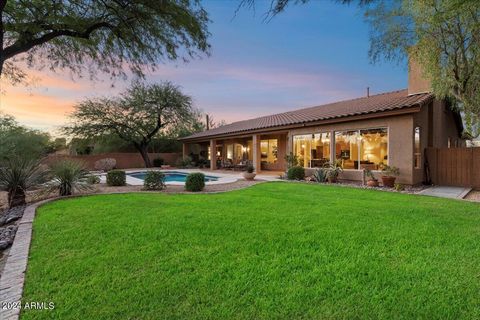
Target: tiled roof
(372, 104)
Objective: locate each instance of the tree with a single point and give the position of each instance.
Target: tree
(104, 35)
(443, 37)
(279, 6)
(19, 142)
(137, 116)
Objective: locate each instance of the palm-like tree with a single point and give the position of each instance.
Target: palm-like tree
(19, 175)
(68, 176)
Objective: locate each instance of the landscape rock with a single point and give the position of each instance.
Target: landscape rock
(7, 234)
(10, 215)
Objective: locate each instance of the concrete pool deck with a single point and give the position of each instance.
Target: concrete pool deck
(223, 176)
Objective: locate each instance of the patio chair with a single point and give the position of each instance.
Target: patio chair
(227, 165)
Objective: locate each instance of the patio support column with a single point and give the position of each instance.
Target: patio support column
(332, 147)
(256, 152)
(184, 150)
(213, 154)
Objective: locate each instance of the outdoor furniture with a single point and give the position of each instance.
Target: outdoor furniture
(242, 165)
(227, 165)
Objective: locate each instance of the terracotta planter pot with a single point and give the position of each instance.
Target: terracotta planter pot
(249, 176)
(372, 183)
(388, 182)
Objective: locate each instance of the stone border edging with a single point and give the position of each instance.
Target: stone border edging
(13, 275)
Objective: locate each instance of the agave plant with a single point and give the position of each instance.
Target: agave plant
(19, 175)
(69, 176)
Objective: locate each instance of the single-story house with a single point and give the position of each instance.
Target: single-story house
(391, 128)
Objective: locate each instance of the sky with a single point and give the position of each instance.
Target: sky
(306, 56)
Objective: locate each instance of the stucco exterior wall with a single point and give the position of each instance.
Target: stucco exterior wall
(400, 142)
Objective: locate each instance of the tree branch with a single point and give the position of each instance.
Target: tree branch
(27, 42)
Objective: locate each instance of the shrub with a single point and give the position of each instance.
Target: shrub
(116, 178)
(320, 175)
(291, 159)
(296, 173)
(93, 179)
(250, 168)
(106, 164)
(399, 187)
(390, 171)
(185, 162)
(195, 182)
(18, 176)
(154, 180)
(68, 176)
(158, 162)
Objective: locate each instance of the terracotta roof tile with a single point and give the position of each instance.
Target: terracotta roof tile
(375, 103)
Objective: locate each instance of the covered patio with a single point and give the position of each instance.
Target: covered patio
(264, 152)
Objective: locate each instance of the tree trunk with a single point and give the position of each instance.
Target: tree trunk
(16, 197)
(143, 151)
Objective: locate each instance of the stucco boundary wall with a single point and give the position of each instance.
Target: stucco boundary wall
(124, 160)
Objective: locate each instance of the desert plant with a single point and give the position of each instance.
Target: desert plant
(68, 176)
(320, 175)
(390, 171)
(388, 175)
(195, 182)
(369, 174)
(291, 159)
(19, 175)
(333, 170)
(105, 165)
(250, 168)
(399, 187)
(370, 177)
(93, 179)
(116, 178)
(158, 162)
(154, 180)
(296, 173)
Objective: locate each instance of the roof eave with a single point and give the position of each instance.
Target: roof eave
(379, 114)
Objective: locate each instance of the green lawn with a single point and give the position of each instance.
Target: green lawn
(273, 251)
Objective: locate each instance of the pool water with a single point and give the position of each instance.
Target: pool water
(170, 176)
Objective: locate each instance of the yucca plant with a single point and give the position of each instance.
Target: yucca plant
(19, 175)
(69, 176)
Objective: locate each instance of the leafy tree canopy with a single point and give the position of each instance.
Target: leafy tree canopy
(19, 142)
(105, 35)
(139, 115)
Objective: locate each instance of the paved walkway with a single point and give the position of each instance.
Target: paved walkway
(446, 192)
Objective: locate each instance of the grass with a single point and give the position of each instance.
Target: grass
(275, 250)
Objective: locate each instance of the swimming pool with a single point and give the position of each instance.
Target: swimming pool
(170, 176)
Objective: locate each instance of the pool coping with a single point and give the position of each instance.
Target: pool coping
(223, 178)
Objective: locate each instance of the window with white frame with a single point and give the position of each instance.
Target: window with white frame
(417, 153)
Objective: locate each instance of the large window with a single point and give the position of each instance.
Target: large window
(373, 148)
(417, 154)
(312, 150)
(347, 145)
(269, 150)
(362, 149)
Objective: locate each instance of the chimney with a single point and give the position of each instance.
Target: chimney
(416, 81)
(368, 92)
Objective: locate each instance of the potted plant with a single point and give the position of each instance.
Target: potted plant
(332, 172)
(371, 180)
(249, 174)
(389, 174)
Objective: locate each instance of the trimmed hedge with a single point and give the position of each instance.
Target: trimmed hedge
(296, 173)
(195, 182)
(158, 162)
(116, 178)
(154, 180)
